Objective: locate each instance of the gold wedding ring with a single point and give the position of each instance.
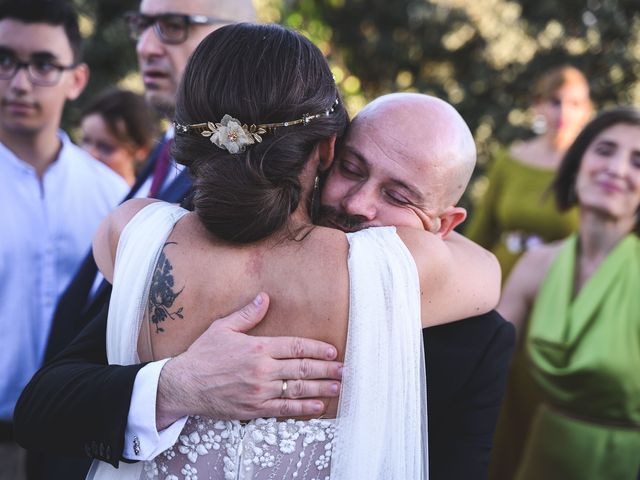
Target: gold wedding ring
(285, 385)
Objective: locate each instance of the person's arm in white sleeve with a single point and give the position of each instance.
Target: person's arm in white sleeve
(143, 441)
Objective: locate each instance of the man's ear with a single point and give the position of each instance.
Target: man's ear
(79, 80)
(450, 218)
(326, 152)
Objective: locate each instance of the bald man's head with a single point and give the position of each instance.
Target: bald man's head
(428, 131)
(406, 160)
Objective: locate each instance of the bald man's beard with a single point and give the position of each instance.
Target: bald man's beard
(332, 218)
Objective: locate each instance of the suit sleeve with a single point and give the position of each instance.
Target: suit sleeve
(467, 384)
(76, 404)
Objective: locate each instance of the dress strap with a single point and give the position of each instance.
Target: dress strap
(139, 246)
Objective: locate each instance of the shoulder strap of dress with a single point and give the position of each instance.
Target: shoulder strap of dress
(140, 244)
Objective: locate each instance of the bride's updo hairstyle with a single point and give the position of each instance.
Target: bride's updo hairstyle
(257, 74)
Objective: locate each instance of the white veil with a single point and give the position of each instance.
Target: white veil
(381, 431)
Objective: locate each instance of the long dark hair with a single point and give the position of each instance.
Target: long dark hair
(257, 74)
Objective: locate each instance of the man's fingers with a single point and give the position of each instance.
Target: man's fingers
(297, 347)
(248, 316)
(298, 389)
(308, 369)
(286, 407)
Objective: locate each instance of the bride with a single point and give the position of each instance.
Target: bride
(257, 118)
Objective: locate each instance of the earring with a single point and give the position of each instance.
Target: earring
(315, 201)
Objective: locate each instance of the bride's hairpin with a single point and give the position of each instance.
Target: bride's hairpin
(234, 136)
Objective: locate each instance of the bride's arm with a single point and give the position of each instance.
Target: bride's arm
(458, 278)
(521, 288)
(105, 241)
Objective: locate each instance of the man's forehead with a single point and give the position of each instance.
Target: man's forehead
(385, 145)
(188, 7)
(386, 162)
(27, 39)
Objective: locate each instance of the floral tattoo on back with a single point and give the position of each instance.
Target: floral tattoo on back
(161, 293)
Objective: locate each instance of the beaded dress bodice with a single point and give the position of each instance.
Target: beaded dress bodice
(262, 449)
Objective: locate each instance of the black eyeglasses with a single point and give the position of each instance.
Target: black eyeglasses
(40, 71)
(171, 28)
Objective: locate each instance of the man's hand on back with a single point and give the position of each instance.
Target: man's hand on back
(228, 374)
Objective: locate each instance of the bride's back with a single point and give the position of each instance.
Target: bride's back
(306, 278)
(257, 116)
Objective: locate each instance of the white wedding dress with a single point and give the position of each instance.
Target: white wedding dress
(380, 432)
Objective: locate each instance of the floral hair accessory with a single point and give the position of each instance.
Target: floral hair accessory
(232, 135)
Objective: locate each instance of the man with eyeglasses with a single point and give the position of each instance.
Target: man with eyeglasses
(166, 33)
(53, 194)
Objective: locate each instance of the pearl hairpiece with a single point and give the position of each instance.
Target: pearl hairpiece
(234, 136)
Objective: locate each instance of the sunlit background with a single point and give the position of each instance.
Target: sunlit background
(480, 55)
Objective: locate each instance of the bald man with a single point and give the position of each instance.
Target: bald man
(406, 161)
(393, 171)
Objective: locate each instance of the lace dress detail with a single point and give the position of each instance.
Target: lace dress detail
(262, 449)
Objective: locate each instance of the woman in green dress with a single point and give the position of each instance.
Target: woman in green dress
(517, 213)
(581, 300)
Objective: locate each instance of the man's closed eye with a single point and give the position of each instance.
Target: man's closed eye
(395, 197)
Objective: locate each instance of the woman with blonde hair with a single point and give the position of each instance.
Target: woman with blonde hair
(516, 214)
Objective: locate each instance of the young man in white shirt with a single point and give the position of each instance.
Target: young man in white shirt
(53, 195)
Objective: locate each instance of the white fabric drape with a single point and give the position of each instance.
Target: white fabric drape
(140, 244)
(381, 431)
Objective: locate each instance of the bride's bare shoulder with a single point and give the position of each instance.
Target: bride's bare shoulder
(105, 240)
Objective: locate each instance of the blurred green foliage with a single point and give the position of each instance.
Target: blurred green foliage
(108, 50)
(480, 55)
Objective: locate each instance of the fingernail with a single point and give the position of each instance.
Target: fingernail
(340, 370)
(331, 353)
(318, 407)
(334, 388)
(258, 300)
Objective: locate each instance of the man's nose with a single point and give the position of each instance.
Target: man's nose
(20, 80)
(361, 202)
(149, 44)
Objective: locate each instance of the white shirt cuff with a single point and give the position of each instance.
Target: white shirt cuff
(141, 439)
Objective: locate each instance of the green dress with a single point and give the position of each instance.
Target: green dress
(516, 202)
(584, 355)
(517, 210)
